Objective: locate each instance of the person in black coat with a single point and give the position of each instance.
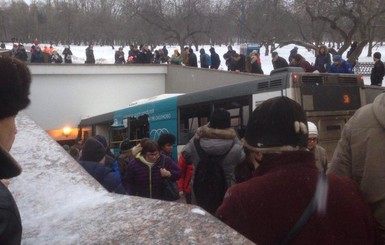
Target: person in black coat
(193, 61)
(215, 60)
(92, 160)
(119, 56)
(90, 58)
(378, 70)
(228, 56)
(21, 54)
(67, 55)
(278, 61)
(15, 84)
(144, 56)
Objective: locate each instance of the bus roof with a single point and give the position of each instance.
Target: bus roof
(266, 83)
(152, 99)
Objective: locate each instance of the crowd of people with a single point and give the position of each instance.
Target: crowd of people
(274, 186)
(324, 61)
(276, 174)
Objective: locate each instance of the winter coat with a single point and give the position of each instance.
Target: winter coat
(321, 158)
(56, 59)
(37, 57)
(343, 67)
(119, 57)
(67, 56)
(185, 58)
(360, 155)
(10, 221)
(176, 60)
(146, 181)
(268, 205)
(322, 62)
(377, 73)
(90, 58)
(255, 65)
(215, 60)
(228, 56)
(216, 142)
(204, 59)
(280, 63)
(134, 54)
(306, 66)
(192, 60)
(104, 175)
(185, 175)
(21, 54)
(10, 225)
(144, 57)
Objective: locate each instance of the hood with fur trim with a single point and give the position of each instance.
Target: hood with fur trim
(9, 168)
(216, 141)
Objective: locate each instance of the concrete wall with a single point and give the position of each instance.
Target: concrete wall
(63, 94)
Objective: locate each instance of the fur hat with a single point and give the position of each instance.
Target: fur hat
(93, 150)
(15, 80)
(278, 124)
(337, 58)
(312, 128)
(220, 119)
(377, 55)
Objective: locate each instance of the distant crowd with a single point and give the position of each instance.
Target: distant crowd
(235, 62)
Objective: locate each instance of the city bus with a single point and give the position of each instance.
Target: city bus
(329, 100)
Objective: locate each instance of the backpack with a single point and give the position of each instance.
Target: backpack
(209, 183)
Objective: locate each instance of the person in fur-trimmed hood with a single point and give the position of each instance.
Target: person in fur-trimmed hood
(217, 138)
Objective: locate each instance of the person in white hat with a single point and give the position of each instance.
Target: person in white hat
(321, 160)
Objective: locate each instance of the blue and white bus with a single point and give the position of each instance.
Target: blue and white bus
(328, 99)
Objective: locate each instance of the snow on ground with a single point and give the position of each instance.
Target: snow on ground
(105, 54)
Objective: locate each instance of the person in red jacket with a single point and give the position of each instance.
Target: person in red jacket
(286, 182)
(185, 178)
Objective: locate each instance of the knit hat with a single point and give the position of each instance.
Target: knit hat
(312, 128)
(377, 55)
(278, 124)
(93, 150)
(15, 81)
(337, 58)
(101, 139)
(220, 119)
